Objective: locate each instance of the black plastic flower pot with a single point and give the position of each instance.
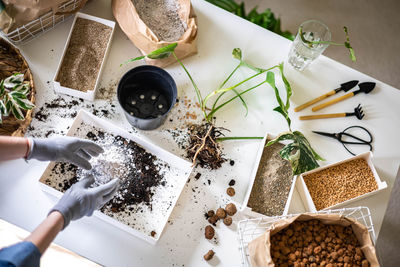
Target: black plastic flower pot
(146, 94)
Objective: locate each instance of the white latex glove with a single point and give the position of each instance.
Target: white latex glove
(80, 200)
(70, 149)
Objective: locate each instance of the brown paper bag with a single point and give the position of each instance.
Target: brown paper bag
(146, 41)
(16, 13)
(259, 248)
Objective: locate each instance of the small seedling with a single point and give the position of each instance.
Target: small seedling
(345, 44)
(13, 97)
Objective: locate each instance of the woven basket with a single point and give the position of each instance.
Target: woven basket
(12, 61)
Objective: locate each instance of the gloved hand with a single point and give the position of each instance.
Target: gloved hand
(71, 149)
(80, 200)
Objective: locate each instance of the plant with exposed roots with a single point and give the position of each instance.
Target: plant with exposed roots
(204, 140)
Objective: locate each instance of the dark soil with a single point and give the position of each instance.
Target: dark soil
(143, 176)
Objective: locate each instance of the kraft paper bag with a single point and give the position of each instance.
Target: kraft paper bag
(146, 41)
(259, 248)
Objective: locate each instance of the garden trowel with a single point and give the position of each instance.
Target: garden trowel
(343, 87)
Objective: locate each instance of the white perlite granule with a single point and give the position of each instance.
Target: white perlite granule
(162, 17)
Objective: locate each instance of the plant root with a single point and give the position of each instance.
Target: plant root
(203, 148)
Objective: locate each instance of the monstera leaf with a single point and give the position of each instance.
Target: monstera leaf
(301, 155)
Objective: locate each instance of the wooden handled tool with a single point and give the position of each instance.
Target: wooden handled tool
(322, 116)
(364, 88)
(358, 112)
(343, 87)
(333, 101)
(309, 103)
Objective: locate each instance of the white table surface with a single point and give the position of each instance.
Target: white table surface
(182, 242)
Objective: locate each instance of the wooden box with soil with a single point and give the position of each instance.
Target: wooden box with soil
(151, 179)
(272, 183)
(338, 184)
(85, 52)
(11, 62)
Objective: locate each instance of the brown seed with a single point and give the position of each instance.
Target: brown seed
(213, 220)
(221, 213)
(153, 233)
(230, 209)
(209, 232)
(209, 255)
(228, 221)
(230, 191)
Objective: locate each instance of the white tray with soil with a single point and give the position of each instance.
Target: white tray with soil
(151, 178)
(272, 183)
(340, 183)
(83, 58)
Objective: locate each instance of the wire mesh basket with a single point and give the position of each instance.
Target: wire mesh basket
(44, 23)
(250, 229)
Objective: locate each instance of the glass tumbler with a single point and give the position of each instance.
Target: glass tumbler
(302, 54)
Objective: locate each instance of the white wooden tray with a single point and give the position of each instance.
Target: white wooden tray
(164, 198)
(90, 94)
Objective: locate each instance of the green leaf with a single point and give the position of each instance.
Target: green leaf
(3, 109)
(283, 136)
(24, 103)
(8, 104)
(132, 59)
(2, 89)
(348, 46)
(240, 10)
(299, 152)
(304, 139)
(23, 88)
(284, 114)
(16, 111)
(13, 80)
(237, 53)
(287, 86)
(265, 19)
(16, 94)
(281, 108)
(163, 52)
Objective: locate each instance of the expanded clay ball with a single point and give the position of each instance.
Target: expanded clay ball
(230, 191)
(228, 221)
(231, 209)
(221, 213)
(209, 232)
(312, 243)
(210, 213)
(213, 220)
(209, 255)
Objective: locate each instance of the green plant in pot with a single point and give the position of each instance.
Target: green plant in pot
(14, 97)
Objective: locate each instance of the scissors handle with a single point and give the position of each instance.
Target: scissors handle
(361, 141)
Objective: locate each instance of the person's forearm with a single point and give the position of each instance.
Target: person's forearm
(45, 233)
(13, 147)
